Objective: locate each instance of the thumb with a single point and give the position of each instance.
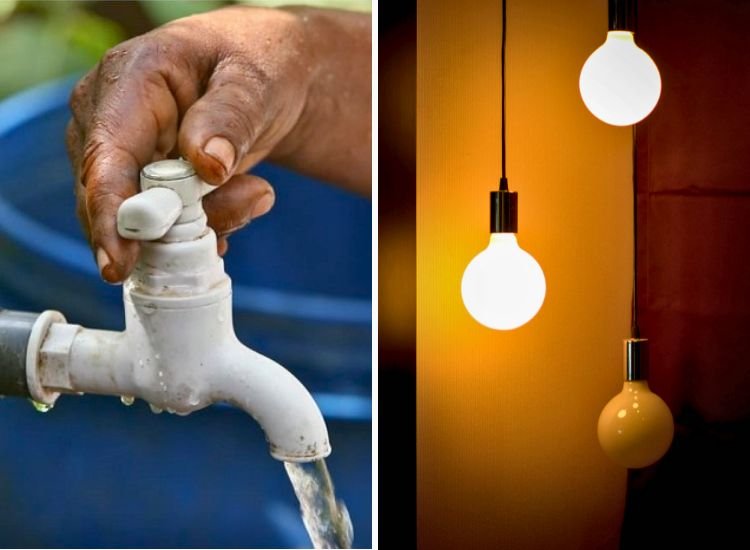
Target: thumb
(220, 133)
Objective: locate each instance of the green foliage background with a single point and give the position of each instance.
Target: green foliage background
(42, 40)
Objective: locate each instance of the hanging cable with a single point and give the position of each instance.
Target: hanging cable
(503, 203)
(503, 178)
(634, 328)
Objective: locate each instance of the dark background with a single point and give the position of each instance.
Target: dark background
(693, 168)
(397, 274)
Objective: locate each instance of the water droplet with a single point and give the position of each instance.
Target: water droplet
(160, 374)
(127, 400)
(140, 362)
(154, 408)
(622, 413)
(635, 405)
(41, 407)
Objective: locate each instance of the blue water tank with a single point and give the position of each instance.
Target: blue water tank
(93, 473)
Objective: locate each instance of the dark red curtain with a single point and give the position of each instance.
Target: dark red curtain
(693, 166)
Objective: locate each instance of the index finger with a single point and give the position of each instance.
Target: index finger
(132, 122)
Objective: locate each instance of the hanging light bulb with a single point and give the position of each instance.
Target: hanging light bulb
(620, 83)
(636, 427)
(503, 287)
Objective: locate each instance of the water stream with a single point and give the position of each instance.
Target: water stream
(326, 519)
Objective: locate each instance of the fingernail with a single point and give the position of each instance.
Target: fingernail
(223, 151)
(263, 204)
(222, 245)
(104, 262)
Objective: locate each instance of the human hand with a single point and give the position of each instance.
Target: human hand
(224, 90)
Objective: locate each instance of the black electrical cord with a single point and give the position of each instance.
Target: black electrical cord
(503, 178)
(634, 328)
(503, 203)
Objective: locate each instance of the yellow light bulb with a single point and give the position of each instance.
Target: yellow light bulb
(636, 427)
(620, 83)
(503, 287)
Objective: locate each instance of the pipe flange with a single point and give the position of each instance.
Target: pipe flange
(36, 339)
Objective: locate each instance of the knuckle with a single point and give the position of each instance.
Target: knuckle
(72, 139)
(81, 210)
(239, 112)
(143, 53)
(73, 145)
(155, 52)
(103, 200)
(101, 160)
(249, 71)
(88, 160)
(114, 54)
(80, 97)
(249, 78)
(146, 56)
(77, 96)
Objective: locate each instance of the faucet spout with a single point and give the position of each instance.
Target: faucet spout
(290, 418)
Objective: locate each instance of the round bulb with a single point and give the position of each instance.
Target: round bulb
(503, 287)
(619, 82)
(635, 427)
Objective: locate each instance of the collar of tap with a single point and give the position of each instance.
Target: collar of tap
(169, 206)
(178, 255)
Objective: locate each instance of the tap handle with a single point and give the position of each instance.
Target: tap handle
(171, 193)
(149, 215)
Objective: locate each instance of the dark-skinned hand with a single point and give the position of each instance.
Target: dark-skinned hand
(224, 90)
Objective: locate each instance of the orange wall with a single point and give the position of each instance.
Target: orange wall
(507, 448)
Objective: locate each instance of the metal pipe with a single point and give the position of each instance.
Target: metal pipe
(15, 332)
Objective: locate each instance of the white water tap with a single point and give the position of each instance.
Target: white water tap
(178, 350)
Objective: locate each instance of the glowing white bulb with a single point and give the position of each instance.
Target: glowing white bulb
(620, 83)
(503, 287)
(636, 427)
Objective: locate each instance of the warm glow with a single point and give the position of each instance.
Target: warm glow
(620, 83)
(635, 427)
(504, 419)
(503, 287)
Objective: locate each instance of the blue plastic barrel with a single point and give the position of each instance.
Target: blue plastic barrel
(93, 473)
